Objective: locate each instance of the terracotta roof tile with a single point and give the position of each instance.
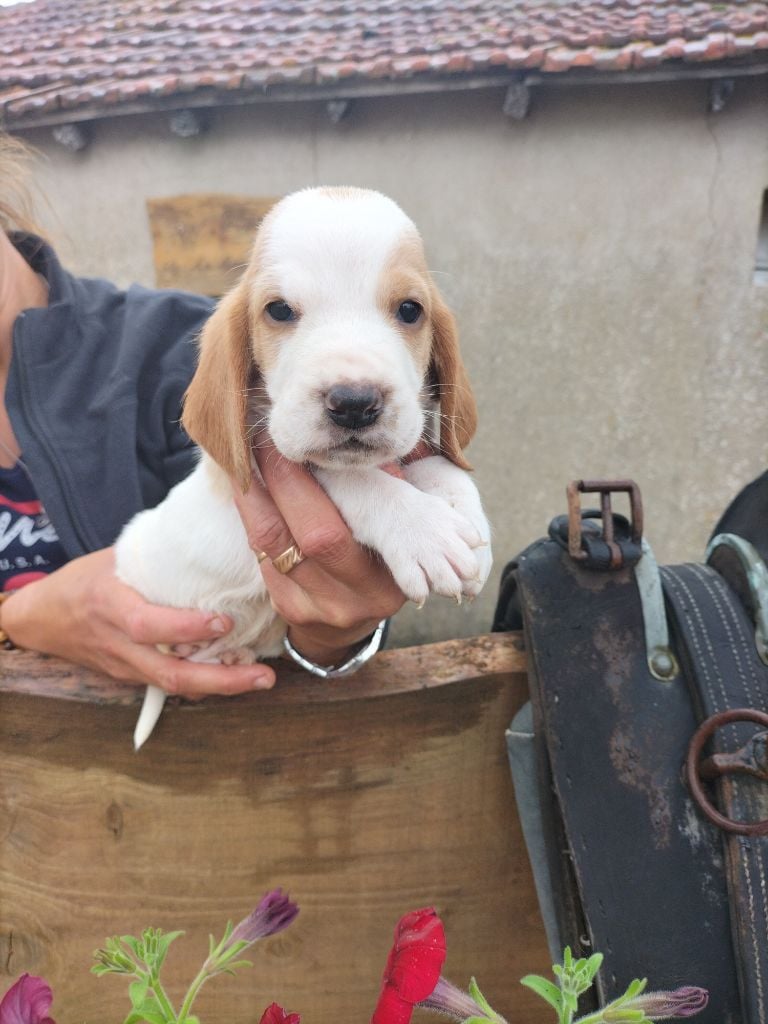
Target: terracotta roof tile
(98, 54)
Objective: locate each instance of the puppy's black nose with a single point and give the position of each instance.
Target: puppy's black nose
(354, 406)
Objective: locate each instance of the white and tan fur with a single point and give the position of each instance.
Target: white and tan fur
(344, 260)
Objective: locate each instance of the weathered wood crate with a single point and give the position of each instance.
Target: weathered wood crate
(364, 798)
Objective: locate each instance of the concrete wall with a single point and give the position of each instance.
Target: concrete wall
(599, 256)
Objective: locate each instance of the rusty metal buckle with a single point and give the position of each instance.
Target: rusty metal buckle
(604, 488)
(751, 759)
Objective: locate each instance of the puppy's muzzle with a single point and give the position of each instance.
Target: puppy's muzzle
(354, 406)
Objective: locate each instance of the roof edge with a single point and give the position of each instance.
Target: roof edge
(350, 89)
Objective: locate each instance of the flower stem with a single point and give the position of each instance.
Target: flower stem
(200, 979)
(162, 998)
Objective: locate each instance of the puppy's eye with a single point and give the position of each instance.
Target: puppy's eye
(280, 311)
(409, 311)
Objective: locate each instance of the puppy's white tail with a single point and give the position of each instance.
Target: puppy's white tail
(151, 709)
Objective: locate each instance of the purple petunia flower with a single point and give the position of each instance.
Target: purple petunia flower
(274, 912)
(27, 1002)
(682, 1002)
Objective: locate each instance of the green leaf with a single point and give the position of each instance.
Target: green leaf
(482, 1002)
(239, 963)
(231, 968)
(475, 1020)
(592, 966)
(635, 987)
(149, 1012)
(163, 943)
(131, 942)
(544, 988)
(150, 1016)
(221, 961)
(137, 991)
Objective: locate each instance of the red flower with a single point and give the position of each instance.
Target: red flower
(27, 1002)
(275, 1014)
(413, 967)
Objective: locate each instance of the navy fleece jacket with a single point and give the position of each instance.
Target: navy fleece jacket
(94, 396)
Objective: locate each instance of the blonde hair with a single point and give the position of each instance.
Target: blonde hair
(16, 205)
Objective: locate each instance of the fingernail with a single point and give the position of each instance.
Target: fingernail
(218, 625)
(261, 682)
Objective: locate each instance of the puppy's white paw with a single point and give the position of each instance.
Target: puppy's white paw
(237, 656)
(438, 551)
(438, 477)
(484, 560)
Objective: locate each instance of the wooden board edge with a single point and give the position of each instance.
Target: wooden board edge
(402, 670)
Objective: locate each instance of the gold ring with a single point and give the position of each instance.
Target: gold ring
(261, 556)
(289, 559)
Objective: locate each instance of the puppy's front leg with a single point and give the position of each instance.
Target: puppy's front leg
(437, 475)
(427, 545)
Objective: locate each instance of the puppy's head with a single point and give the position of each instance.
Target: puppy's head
(335, 339)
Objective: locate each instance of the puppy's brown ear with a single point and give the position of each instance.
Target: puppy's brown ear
(458, 411)
(216, 402)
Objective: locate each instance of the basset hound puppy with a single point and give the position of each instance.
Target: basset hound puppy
(338, 343)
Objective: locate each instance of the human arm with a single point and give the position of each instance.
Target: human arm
(83, 613)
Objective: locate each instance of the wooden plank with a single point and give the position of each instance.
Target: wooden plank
(201, 242)
(391, 795)
(396, 671)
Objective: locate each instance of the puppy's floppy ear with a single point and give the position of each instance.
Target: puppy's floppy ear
(216, 402)
(458, 411)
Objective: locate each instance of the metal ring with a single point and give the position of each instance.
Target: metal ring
(756, 578)
(699, 738)
(289, 559)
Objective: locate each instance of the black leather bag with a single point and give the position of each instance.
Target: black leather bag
(649, 689)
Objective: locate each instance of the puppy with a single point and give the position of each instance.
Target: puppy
(337, 340)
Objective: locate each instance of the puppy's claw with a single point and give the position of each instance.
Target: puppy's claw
(457, 598)
(151, 709)
(480, 544)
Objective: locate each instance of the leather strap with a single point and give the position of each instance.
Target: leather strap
(716, 643)
(648, 868)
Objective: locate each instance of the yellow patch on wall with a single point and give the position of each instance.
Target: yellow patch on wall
(201, 242)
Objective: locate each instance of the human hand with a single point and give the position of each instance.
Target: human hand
(84, 613)
(341, 590)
